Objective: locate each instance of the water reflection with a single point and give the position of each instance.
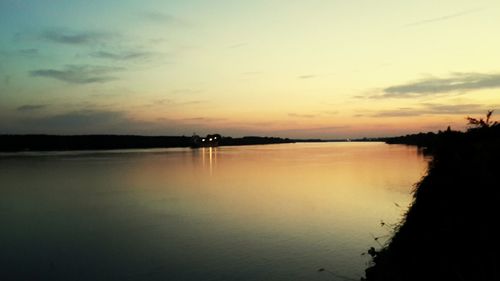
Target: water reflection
(209, 158)
(275, 212)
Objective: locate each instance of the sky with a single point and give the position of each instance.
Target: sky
(300, 69)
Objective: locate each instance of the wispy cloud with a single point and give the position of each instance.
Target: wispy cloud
(330, 112)
(157, 16)
(75, 38)
(307, 76)
(163, 18)
(103, 121)
(324, 129)
(81, 121)
(237, 45)
(203, 119)
(455, 109)
(121, 55)
(396, 113)
(185, 91)
(435, 109)
(31, 107)
(28, 52)
(457, 82)
(79, 74)
(442, 18)
(175, 102)
(297, 115)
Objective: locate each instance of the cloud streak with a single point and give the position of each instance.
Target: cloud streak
(85, 121)
(163, 18)
(314, 129)
(203, 119)
(102, 121)
(176, 103)
(28, 52)
(435, 109)
(297, 115)
(457, 82)
(307, 76)
(30, 107)
(330, 112)
(442, 18)
(79, 74)
(75, 38)
(123, 56)
(157, 16)
(82, 119)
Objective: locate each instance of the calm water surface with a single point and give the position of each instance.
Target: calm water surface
(274, 212)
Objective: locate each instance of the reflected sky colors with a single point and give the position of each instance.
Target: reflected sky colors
(274, 212)
(328, 69)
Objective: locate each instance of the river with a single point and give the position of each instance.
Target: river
(269, 212)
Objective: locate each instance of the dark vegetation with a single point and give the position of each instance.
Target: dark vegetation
(86, 142)
(13, 143)
(253, 140)
(430, 141)
(451, 231)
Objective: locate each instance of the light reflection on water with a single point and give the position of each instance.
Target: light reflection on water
(274, 212)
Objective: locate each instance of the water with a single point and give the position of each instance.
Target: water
(273, 212)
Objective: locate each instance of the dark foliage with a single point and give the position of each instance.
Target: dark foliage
(87, 142)
(12, 143)
(482, 123)
(451, 230)
(253, 140)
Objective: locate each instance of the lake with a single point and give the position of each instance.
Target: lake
(270, 212)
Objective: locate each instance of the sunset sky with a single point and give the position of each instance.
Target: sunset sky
(328, 69)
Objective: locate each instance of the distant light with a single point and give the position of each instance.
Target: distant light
(210, 139)
(215, 138)
(202, 139)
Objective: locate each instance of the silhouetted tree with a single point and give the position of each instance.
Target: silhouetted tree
(482, 123)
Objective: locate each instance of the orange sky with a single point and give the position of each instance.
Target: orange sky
(327, 69)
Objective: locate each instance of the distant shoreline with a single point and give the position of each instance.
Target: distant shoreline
(20, 143)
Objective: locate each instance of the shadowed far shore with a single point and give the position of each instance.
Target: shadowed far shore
(18, 143)
(14, 143)
(451, 229)
(42, 142)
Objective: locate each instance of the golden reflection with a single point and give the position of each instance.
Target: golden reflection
(321, 196)
(348, 186)
(212, 158)
(210, 153)
(203, 157)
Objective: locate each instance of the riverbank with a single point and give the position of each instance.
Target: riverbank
(450, 231)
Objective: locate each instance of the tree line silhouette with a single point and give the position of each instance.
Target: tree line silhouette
(13, 143)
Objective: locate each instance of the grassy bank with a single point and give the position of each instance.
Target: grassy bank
(450, 231)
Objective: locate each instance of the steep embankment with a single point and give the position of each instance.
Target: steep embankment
(451, 230)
